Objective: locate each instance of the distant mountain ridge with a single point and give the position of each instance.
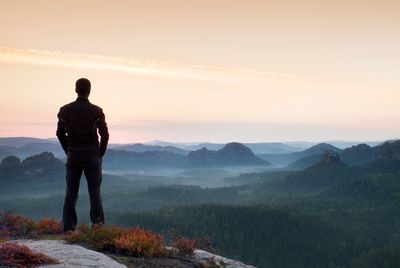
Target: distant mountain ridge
(140, 147)
(256, 148)
(287, 159)
(356, 155)
(44, 163)
(159, 155)
(126, 160)
(26, 146)
(23, 147)
(21, 141)
(233, 153)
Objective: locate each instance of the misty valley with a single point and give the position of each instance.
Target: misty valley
(332, 204)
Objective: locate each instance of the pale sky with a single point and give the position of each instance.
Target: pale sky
(217, 70)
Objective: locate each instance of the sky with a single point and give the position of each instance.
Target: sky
(237, 70)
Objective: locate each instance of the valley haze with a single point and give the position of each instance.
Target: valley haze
(263, 208)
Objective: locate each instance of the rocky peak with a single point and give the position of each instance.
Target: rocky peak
(233, 153)
(389, 150)
(42, 163)
(10, 162)
(331, 157)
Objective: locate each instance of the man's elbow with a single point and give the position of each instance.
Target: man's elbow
(60, 135)
(103, 131)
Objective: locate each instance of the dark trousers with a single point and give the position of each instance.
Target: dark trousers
(90, 163)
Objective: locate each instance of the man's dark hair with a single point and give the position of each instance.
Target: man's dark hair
(82, 87)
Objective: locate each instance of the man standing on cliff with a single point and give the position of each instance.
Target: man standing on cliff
(77, 128)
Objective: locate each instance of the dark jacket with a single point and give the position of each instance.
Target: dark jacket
(77, 127)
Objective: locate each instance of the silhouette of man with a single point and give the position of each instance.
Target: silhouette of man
(77, 127)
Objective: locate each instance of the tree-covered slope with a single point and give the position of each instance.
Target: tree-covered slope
(256, 234)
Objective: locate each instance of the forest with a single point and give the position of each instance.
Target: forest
(330, 214)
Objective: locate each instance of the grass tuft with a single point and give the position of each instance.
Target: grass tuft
(14, 255)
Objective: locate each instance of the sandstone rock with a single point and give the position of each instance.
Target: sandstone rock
(219, 261)
(71, 256)
(75, 256)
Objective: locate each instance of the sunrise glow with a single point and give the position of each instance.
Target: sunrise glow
(199, 70)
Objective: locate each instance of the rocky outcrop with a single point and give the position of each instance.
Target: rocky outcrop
(358, 154)
(389, 150)
(75, 256)
(232, 154)
(45, 163)
(331, 157)
(71, 256)
(205, 258)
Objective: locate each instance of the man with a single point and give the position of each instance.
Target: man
(77, 127)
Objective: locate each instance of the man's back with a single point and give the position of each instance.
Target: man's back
(80, 120)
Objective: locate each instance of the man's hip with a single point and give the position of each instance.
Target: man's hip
(84, 159)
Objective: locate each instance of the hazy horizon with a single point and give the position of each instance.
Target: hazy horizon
(186, 142)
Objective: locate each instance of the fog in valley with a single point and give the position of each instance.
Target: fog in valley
(311, 192)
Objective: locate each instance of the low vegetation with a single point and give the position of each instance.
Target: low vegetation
(20, 256)
(134, 242)
(14, 226)
(335, 213)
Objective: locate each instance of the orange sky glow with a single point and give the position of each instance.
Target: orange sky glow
(205, 70)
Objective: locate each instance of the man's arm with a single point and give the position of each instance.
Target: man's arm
(103, 131)
(62, 132)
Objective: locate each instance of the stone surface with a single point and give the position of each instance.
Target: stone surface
(71, 256)
(219, 261)
(75, 256)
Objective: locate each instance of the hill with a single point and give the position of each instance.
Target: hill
(257, 147)
(139, 147)
(319, 149)
(359, 154)
(388, 150)
(287, 159)
(45, 163)
(305, 162)
(232, 154)
(140, 156)
(355, 156)
(24, 147)
(123, 160)
(328, 172)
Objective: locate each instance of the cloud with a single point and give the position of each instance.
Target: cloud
(140, 66)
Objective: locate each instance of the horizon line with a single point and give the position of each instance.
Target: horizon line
(216, 142)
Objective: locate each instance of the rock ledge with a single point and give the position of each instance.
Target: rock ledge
(83, 257)
(62, 251)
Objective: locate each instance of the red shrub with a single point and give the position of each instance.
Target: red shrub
(100, 237)
(4, 234)
(20, 256)
(135, 242)
(48, 226)
(138, 242)
(16, 224)
(78, 236)
(185, 246)
(204, 243)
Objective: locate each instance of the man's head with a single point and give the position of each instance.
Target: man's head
(82, 87)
